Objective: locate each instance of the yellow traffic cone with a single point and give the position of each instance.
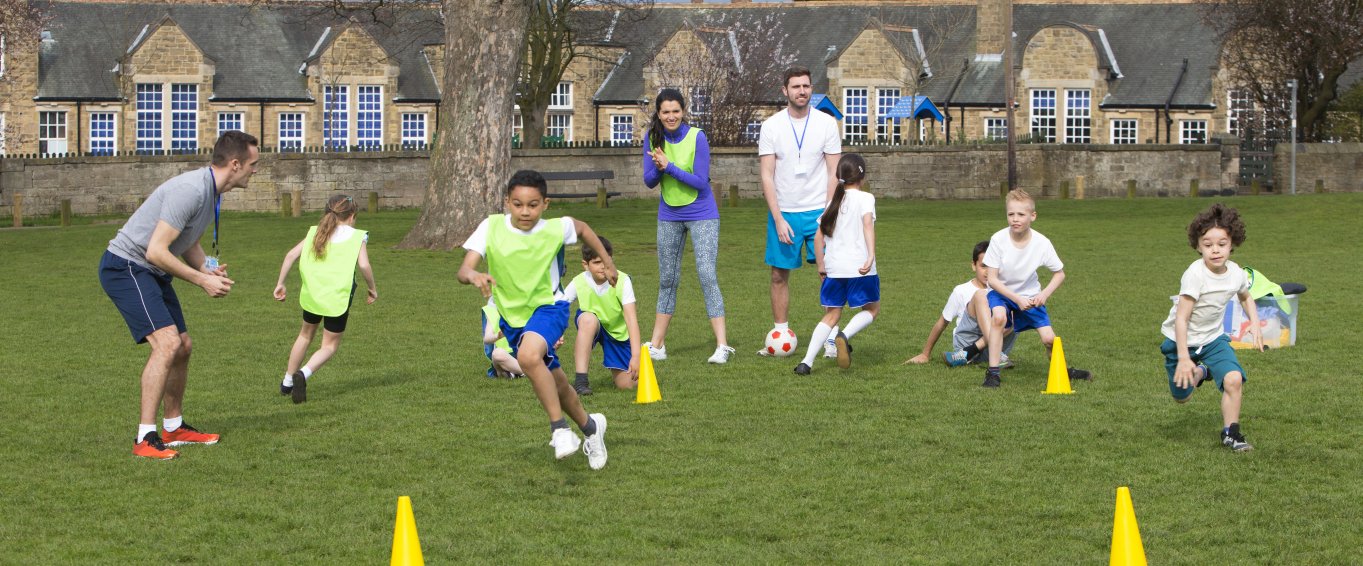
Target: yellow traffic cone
(1058, 382)
(406, 548)
(1126, 536)
(647, 390)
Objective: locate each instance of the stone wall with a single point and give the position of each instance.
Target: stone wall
(1335, 165)
(103, 185)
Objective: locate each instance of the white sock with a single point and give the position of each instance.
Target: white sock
(858, 323)
(307, 372)
(169, 424)
(782, 325)
(288, 380)
(831, 334)
(816, 342)
(142, 430)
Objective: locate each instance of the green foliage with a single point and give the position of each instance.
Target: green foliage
(743, 463)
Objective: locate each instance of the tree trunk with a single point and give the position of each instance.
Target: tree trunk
(532, 125)
(471, 159)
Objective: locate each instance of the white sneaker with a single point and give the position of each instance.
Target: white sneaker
(830, 349)
(721, 355)
(595, 446)
(565, 442)
(1004, 362)
(656, 354)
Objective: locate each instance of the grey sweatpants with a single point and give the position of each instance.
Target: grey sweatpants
(705, 244)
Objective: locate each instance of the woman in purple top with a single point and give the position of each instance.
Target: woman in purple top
(677, 161)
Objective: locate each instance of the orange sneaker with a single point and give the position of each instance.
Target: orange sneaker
(151, 447)
(189, 435)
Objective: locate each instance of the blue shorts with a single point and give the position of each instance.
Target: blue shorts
(1020, 320)
(1217, 355)
(854, 292)
(787, 256)
(548, 321)
(145, 299)
(615, 353)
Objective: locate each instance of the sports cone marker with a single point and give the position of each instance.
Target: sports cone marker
(406, 549)
(1126, 536)
(647, 389)
(1058, 382)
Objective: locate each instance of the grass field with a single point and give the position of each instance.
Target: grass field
(743, 463)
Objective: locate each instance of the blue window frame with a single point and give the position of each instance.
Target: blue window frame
(184, 118)
(229, 121)
(854, 114)
(101, 133)
(291, 131)
(150, 103)
(336, 117)
(414, 131)
(369, 119)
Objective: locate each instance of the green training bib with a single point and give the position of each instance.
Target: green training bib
(608, 309)
(683, 155)
(522, 267)
(327, 282)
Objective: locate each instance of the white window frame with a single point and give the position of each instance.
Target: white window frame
(1078, 116)
(701, 105)
(240, 120)
(517, 125)
(995, 128)
(369, 138)
(153, 118)
(856, 117)
(192, 142)
(1187, 128)
(113, 133)
(566, 128)
(752, 131)
(302, 132)
(52, 131)
(562, 98)
(409, 139)
(1237, 107)
(1042, 117)
(336, 117)
(622, 129)
(887, 129)
(1120, 125)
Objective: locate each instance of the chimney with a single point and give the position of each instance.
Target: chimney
(989, 32)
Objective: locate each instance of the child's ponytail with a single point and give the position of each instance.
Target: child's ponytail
(851, 171)
(339, 209)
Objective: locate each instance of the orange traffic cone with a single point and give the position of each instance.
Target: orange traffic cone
(1126, 536)
(1058, 381)
(406, 548)
(647, 390)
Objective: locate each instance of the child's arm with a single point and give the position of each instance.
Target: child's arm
(279, 291)
(1056, 279)
(368, 272)
(818, 254)
(1252, 311)
(992, 279)
(632, 324)
(933, 335)
(588, 237)
(469, 274)
(868, 229)
(1183, 374)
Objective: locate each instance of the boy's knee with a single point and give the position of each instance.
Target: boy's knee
(1233, 380)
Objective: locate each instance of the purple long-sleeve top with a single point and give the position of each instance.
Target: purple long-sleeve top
(703, 208)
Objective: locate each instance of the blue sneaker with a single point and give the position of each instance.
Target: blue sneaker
(955, 358)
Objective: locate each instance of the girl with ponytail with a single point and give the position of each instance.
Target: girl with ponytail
(845, 250)
(331, 253)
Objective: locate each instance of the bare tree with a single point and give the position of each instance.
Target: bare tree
(735, 72)
(21, 23)
(1266, 43)
(927, 40)
(471, 158)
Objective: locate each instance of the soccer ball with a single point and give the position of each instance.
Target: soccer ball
(781, 343)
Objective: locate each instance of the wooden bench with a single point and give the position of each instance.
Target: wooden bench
(600, 176)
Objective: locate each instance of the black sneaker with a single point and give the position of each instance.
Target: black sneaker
(991, 379)
(802, 369)
(300, 387)
(1231, 438)
(285, 389)
(1080, 374)
(582, 388)
(1206, 374)
(844, 350)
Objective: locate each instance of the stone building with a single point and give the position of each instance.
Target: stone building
(120, 77)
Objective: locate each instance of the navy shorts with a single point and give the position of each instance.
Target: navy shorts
(1020, 320)
(615, 353)
(854, 292)
(549, 322)
(144, 298)
(1217, 355)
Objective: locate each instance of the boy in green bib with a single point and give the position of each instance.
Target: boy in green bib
(524, 274)
(331, 253)
(606, 315)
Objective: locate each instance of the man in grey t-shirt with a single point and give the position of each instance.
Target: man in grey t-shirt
(159, 243)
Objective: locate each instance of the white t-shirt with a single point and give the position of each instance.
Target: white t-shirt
(845, 251)
(478, 241)
(343, 232)
(959, 299)
(800, 146)
(1017, 267)
(1211, 294)
(626, 288)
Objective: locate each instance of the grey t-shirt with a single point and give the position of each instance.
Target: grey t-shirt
(185, 202)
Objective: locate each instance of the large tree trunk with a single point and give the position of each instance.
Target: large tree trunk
(471, 160)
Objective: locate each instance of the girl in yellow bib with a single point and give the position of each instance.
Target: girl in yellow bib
(331, 253)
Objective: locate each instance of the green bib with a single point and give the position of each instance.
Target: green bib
(327, 282)
(490, 312)
(683, 155)
(523, 266)
(608, 308)
(1260, 286)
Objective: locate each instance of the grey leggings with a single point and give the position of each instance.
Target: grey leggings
(705, 244)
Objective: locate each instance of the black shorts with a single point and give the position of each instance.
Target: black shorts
(332, 324)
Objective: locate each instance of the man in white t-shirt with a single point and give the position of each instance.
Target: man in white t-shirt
(798, 150)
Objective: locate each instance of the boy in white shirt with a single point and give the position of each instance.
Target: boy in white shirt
(1195, 346)
(1016, 298)
(606, 315)
(968, 338)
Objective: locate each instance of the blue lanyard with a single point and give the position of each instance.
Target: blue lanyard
(217, 209)
(799, 138)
